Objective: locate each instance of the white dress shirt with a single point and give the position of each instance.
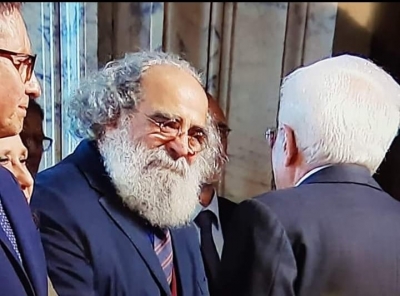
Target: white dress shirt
(216, 226)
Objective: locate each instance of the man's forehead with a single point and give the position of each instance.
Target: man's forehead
(13, 33)
(175, 92)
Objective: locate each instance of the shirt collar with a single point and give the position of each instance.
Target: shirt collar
(313, 171)
(213, 207)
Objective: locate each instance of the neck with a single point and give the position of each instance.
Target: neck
(206, 195)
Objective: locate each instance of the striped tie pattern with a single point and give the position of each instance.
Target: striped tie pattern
(163, 249)
(6, 226)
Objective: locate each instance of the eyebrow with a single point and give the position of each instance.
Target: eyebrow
(22, 152)
(163, 115)
(170, 116)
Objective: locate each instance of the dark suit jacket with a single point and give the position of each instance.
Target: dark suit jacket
(95, 246)
(29, 278)
(225, 210)
(336, 234)
(225, 207)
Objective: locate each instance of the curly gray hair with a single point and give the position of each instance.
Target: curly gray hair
(103, 96)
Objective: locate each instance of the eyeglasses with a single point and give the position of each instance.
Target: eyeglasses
(170, 128)
(223, 130)
(270, 136)
(47, 143)
(23, 62)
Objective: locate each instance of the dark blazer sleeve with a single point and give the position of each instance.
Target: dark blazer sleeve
(257, 258)
(68, 268)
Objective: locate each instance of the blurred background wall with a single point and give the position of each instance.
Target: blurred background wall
(242, 49)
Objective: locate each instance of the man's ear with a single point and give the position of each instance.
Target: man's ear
(289, 146)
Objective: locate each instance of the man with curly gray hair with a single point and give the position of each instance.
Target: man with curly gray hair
(116, 214)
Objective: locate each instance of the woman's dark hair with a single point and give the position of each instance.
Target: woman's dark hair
(35, 107)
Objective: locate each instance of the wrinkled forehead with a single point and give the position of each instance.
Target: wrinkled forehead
(174, 91)
(13, 33)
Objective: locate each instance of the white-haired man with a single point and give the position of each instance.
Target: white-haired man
(329, 229)
(116, 215)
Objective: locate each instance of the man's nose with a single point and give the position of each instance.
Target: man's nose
(179, 147)
(24, 177)
(32, 87)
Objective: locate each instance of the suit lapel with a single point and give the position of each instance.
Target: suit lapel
(88, 159)
(27, 235)
(139, 237)
(182, 258)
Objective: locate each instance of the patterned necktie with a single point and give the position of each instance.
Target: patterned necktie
(163, 249)
(6, 226)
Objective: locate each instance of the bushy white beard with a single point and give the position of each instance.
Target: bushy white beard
(163, 191)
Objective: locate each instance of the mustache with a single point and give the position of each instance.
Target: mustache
(162, 161)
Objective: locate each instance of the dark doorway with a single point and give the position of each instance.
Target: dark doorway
(385, 51)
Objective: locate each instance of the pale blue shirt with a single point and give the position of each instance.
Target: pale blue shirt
(216, 226)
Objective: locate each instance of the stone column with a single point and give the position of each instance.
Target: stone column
(62, 35)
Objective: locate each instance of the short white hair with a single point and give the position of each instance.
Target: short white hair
(342, 109)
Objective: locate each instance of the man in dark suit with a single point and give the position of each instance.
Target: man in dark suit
(329, 229)
(214, 212)
(22, 262)
(115, 215)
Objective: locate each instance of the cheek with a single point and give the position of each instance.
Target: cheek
(9, 167)
(8, 108)
(277, 160)
(149, 141)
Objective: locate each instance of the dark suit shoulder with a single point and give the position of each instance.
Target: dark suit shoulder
(7, 179)
(281, 200)
(60, 194)
(226, 209)
(259, 246)
(226, 205)
(64, 168)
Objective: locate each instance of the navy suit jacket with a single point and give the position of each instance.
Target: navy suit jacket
(335, 234)
(96, 246)
(226, 208)
(16, 278)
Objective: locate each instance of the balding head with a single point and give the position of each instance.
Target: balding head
(215, 109)
(343, 109)
(220, 119)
